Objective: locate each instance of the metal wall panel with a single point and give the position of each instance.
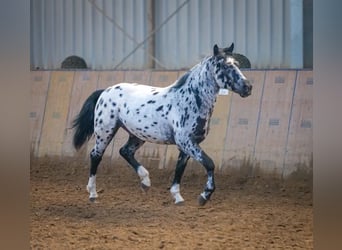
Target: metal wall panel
(63, 28)
(265, 31)
(104, 32)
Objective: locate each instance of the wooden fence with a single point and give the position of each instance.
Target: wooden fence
(270, 131)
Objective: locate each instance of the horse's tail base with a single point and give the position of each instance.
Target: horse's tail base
(84, 121)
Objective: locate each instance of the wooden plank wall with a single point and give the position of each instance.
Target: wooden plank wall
(242, 126)
(39, 89)
(299, 145)
(56, 113)
(275, 110)
(270, 130)
(84, 85)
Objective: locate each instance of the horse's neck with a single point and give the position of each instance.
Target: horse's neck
(203, 85)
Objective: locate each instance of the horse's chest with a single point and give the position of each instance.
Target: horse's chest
(193, 121)
(201, 128)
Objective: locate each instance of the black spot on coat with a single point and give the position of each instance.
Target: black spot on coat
(160, 108)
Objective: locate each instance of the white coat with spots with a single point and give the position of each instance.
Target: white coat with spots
(178, 114)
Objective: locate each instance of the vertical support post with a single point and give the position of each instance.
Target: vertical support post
(150, 28)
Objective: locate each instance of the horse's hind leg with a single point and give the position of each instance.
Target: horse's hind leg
(180, 167)
(128, 151)
(103, 138)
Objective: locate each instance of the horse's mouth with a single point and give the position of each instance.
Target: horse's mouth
(244, 95)
(247, 91)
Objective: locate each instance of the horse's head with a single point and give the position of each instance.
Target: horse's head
(227, 73)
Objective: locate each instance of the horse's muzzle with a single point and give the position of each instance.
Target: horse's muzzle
(246, 90)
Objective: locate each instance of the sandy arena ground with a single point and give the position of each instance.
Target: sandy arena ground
(255, 213)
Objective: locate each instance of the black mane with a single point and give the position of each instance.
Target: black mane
(180, 82)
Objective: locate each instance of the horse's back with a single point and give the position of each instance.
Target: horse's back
(134, 90)
(142, 110)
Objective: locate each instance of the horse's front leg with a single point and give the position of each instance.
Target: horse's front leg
(193, 149)
(209, 189)
(180, 167)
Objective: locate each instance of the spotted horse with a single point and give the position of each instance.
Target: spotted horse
(177, 114)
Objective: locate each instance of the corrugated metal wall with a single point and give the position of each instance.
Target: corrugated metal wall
(63, 28)
(263, 30)
(104, 32)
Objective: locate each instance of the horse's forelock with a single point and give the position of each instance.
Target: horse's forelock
(231, 60)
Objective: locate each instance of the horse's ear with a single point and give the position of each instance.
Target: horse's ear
(230, 49)
(216, 50)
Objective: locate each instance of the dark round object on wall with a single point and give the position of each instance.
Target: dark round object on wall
(244, 62)
(74, 62)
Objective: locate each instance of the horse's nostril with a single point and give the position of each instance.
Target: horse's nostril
(247, 88)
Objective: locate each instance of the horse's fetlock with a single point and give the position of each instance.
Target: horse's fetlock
(210, 189)
(144, 176)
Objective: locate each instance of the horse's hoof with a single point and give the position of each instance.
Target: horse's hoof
(144, 187)
(179, 203)
(92, 199)
(201, 200)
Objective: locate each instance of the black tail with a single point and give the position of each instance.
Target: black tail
(84, 122)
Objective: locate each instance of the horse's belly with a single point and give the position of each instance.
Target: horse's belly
(154, 136)
(151, 131)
